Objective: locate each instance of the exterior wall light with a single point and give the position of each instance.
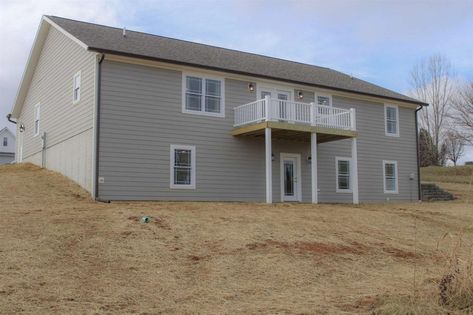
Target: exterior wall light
(251, 87)
(300, 95)
(22, 128)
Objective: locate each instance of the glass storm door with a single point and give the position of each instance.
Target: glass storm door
(280, 107)
(289, 178)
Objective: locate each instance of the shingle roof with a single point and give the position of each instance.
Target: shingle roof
(136, 44)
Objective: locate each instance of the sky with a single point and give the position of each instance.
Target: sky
(378, 41)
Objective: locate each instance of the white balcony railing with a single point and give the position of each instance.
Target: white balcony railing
(268, 109)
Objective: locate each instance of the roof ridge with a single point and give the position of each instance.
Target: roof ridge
(196, 43)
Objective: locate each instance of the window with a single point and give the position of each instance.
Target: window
(5, 141)
(325, 100)
(391, 115)
(183, 166)
(390, 177)
(76, 88)
(37, 112)
(203, 95)
(343, 174)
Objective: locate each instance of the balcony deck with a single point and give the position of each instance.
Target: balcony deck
(294, 121)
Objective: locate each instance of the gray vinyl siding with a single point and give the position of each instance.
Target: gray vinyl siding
(141, 116)
(373, 147)
(309, 96)
(51, 86)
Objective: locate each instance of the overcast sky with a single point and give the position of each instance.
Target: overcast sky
(378, 41)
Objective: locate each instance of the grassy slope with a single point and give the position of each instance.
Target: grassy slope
(457, 174)
(61, 252)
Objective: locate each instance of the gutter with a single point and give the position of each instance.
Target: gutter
(97, 126)
(189, 64)
(418, 153)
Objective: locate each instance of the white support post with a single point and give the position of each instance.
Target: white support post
(269, 171)
(312, 114)
(354, 170)
(313, 168)
(267, 107)
(353, 119)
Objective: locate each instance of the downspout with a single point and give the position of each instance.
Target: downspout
(10, 120)
(97, 126)
(419, 190)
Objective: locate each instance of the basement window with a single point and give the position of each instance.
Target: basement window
(343, 175)
(390, 177)
(182, 166)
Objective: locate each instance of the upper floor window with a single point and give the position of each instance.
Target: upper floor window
(182, 166)
(391, 115)
(203, 95)
(5, 141)
(323, 99)
(343, 174)
(76, 87)
(37, 112)
(390, 177)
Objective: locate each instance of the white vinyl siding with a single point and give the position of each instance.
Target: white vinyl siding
(390, 177)
(182, 162)
(36, 123)
(343, 169)
(76, 85)
(203, 95)
(391, 117)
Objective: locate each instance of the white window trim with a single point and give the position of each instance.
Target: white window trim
(396, 191)
(78, 74)
(203, 77)
(350, 174)
(37, 109)
(316, 101)
(193, 166)
(386, 106)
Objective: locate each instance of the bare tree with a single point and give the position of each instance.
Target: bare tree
(454, 145)
(431, 81)
(462, 114)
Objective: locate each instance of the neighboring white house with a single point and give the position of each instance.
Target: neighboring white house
(7, 146)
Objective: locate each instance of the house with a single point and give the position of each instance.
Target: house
(7, 146)
(134, 116)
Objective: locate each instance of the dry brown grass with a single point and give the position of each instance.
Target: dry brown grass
(60, 252)
(451, 174)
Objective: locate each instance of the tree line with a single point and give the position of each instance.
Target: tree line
(446, 125)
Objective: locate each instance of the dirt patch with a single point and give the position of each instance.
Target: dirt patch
(315, 248)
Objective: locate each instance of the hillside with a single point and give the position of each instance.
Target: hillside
(62, 253)
(451, 174)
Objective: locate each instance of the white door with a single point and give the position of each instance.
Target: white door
(290, 177)
(280, 109)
